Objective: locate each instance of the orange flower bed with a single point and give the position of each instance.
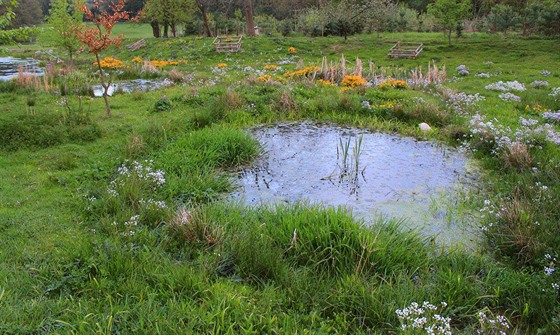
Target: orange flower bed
(110, 63)
(398, 84)
(162, 63)
(326, 82)
(264, 78)
(353, 81)
(305, 72)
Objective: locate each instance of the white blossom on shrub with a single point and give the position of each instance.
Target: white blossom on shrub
(462, 70)
(505, 87)
(555, 93)
(416, 319)
(509, 97)
(539, 83)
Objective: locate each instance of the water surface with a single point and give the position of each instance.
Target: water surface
(9, 67)
(370, 173)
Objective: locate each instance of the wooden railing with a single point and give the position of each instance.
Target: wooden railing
(406, 50)
(228, 43)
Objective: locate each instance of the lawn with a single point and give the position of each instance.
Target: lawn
(121, 224)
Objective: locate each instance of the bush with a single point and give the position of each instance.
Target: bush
(43, 130)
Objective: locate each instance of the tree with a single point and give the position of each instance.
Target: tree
(449, 14)
(64, 20)
(8, 13)
(27, 13)
(169, 13)
(503, 17)
(201, 4)
(250, 24)
(98, 38)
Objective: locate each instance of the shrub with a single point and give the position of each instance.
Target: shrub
(43, 130)
(162, 105)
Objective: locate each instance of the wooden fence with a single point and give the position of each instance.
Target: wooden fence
(227, 43)
(406, 50)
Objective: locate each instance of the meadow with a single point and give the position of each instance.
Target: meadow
(118, 225)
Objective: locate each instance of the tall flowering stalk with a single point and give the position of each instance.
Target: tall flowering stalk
(98, 38)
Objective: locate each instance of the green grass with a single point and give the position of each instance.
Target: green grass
(202, 264)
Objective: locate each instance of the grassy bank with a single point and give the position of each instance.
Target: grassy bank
(118, 225)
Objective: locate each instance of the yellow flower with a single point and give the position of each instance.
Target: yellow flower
(221, 65)
(353, 81)
(110, 63)
(326, 82)
(398, 84)
(271, 67)
(137, 60)
(162, 63)
(305, 72)
(264, 78)
(292, 50)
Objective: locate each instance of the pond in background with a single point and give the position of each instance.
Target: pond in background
(141, 85)
(9, 67)
(371, 173)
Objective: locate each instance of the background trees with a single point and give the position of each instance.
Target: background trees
(64, 20)
(449, 14)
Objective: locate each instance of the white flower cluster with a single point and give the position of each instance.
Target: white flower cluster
(501, 137)
(424, 318)
(552, 116)
(490, 131)
(493, 214)
(366, 105)
(492, 324)
(545, 73)
(461, 102)
(462, 70)
(483, 75)
(507, 86)
(129, 225)
(509, 97)
(555, 93)
(155, 203)
(143, 171)
(549, 270)
(539, 83)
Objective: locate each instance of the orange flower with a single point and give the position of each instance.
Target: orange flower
(353, 81)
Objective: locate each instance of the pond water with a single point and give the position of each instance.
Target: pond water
(141, 85)
(9, 67)
(371, 173)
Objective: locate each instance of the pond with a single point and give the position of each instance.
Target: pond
(370, 173)
(141, 85)
(9, 67)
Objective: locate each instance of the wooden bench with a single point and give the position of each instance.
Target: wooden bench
(227, 43)
(406, 50)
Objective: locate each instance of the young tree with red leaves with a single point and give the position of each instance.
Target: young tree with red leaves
(98, 38)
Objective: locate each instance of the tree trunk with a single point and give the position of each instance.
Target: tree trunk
(155, 29)
(104, 85)
(250, 24)
(207, 30)
(174, 29)
(165, 30)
